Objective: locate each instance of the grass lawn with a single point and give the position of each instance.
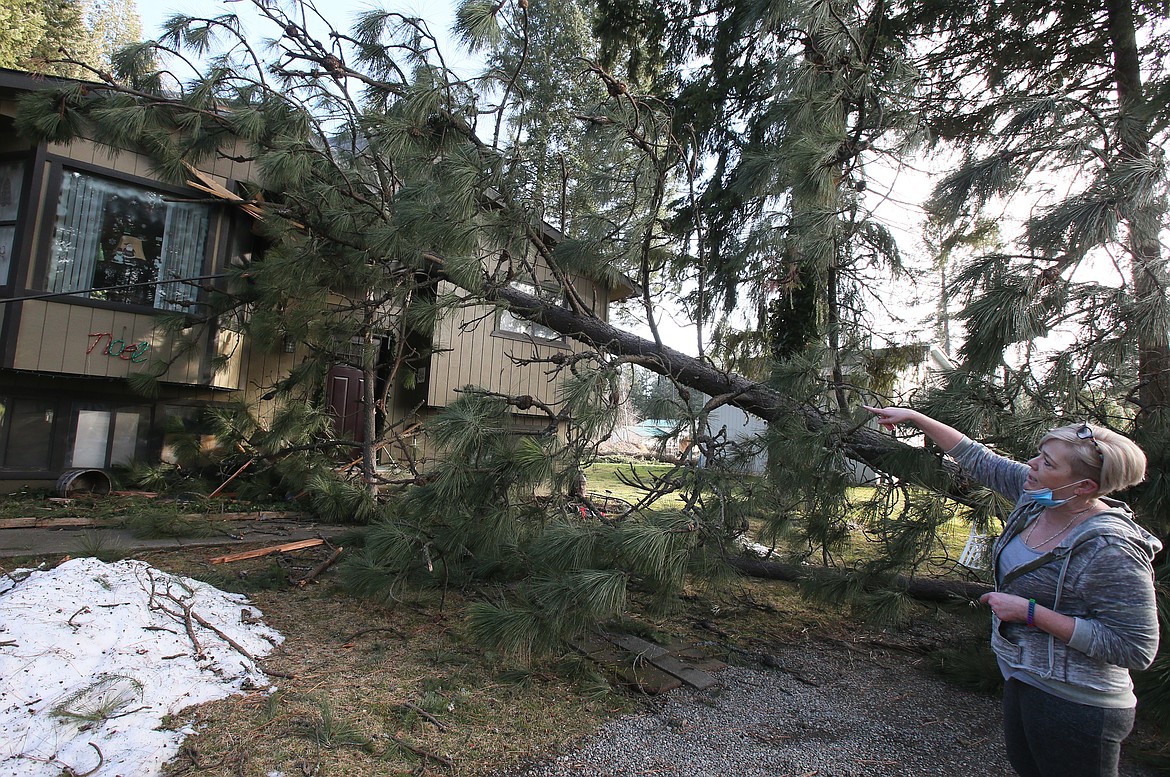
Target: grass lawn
(614, 478)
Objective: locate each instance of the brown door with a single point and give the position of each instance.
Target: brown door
(344, 393)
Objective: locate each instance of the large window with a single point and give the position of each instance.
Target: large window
(522, 327)
(11, 186)
(104, 437)
(115, 241)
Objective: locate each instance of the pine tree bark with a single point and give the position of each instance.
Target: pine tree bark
(922, 588)
(859, 442)
(1150, 280)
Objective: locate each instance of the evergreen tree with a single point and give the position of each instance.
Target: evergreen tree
(784, 105)
(1062, 106)
(745, 179)
(61, 37)
(380, 171)
(1063, 101)
(541, 55)
(22, 25)
(378, 187)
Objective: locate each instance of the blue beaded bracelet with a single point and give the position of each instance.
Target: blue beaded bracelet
(1032, 613)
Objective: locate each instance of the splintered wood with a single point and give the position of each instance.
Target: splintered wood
(258, 552)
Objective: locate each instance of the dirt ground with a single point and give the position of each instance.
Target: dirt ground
(397, 688)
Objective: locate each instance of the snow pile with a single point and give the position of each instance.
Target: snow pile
(94, 655)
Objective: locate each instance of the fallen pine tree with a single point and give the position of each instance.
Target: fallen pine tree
(923, 588)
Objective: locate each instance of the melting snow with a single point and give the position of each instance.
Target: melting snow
(93, 656)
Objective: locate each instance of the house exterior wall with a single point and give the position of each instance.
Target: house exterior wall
(57, 337)
(67, 353)
(69, 349)
(471, 348)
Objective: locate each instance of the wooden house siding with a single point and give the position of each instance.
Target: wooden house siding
(72, 339)
(260, 369)
(471, 350)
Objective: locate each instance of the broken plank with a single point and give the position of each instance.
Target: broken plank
(696, 678)
(637, 645)
(49, 522)
(661, 658)
(258, 552)
(319, 568)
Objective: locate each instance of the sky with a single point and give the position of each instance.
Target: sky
(439, 14)
(339, 12)
(903, 217)
(94, 656)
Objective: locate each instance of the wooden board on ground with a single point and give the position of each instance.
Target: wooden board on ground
(663, 659)
(258, 552)
(649, 667)
(48, 522)
(632, 671)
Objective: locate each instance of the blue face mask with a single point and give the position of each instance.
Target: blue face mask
(1043, 496)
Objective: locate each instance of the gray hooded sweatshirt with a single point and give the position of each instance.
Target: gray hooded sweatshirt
(1101, 574)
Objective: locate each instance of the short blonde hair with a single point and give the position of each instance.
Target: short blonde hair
(1111, 459)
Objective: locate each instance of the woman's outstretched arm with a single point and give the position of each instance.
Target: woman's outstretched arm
(945, 437)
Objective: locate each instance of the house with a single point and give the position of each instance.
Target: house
(743, 430)
(93, 246)
(917, 367)
(652, 437)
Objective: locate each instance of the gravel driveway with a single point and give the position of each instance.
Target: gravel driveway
(831, 712)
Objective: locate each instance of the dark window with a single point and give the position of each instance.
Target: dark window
(11, 188)
(116, 234)
(26, 431)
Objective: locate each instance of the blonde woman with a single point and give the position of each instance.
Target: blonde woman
(1073, 609)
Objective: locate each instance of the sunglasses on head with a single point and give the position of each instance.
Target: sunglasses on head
(1085, 432)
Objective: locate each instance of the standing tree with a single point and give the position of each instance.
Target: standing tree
(55, 35)
(1062, 106)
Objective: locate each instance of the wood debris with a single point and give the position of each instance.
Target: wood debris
(258, 552)
(336, 554)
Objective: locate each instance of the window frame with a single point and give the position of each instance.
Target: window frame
(142, 441)
(59, 168)
(548, 291)
(16, 223)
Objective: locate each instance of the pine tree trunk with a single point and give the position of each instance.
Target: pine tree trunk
(858, 442)
(1150, 280)
(369, 411)
(923, 588)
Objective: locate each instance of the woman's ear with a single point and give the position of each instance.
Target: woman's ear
(1088, 486)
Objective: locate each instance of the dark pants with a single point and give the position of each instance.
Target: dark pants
(1047, 736)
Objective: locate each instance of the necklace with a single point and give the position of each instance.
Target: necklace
(1063, 529)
